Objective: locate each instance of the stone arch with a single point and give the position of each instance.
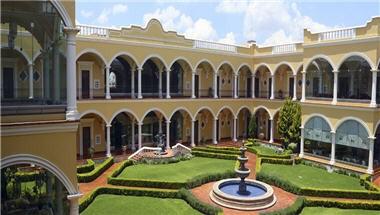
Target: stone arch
(228, 108)
(262, 65)
(153, 56)
(93, 111)
(281, 64)
(123, 110)
(205, 61)
(183, 59)
(204, 108)
(226, 63)
(92, 51)
(242, 66)
(22, 53)
(359, 54)
(325, 57)
(123, 53)
(340, 122)
(265, 108)
(179, 109)
(153, 109)
(321, 116)
(242, 108)
(51, 167)
(62, 11)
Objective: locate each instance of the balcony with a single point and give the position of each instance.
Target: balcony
(349, 33)
(94, 31)
(215, 46)
(285, 48)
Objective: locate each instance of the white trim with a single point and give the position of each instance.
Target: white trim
(225, 107)
(39, 161)
(91, 51)
(359, 54)
(124, 53)
(153, 109)
(262, 107)
(242, 65)
(325, 57)
(283, 63)
(183, 59)
(260, 65)
(204, 60)
(204, 108)
(62, 11)
(25, 129)
(123, 110)
(344, 28)
(179, 109)
(241, 108)
(342, 42)
(270, 55)
(303, 123)
(152, 56)
(341, 121)
(93, 111)
(17, 49)
(227, 63)
(85, 65)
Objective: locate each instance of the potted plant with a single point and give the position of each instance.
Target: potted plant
(124, 147)
(91, 151)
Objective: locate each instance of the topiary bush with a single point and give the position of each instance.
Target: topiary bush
(88, 167)
(90, 176)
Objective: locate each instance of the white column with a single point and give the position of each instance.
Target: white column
(333, 144)
(167, 134)
(253, 86)
(370, 155)
(214, 140)
(133, 136)
(374, 86)
(139, 95)
(295, 87)
(160, 83)
(192, 133)
(30, 66)
(303, 98)
(271, 130)
(108, 94)
(57, 73)
(71, 85)
(235, 86)
(193, 84)
(167, 83)
(139, 134)
(215, 85)
(302, 143)
(74, 203)
(132, 83)
(273, 86)
(335, 92)
(108, 144)
(235, 130)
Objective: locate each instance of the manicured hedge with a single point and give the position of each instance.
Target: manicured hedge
(280, 161)
(27, 176)
(278, 156)
(215, 150)
(288, 186)
(88, 167)
(295, 208)
(365, 180)
(181, 194)
(214, 155)
(364, 205)
(224, 148)
(90, 176)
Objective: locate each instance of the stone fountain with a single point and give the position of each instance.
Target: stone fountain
(241, 193)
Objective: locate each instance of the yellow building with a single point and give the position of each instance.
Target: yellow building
(103, 88)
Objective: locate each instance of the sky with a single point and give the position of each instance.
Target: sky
(268, 22)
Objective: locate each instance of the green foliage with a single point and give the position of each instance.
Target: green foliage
(292, 147)
(365, 205)
(263, 151)
(295, 208)
(252, 127)
(214, 155)
(216, 150)
(365, 180)
(90, 176)
(289, 122)
(196, 204)
(88, 167)
(224, 148)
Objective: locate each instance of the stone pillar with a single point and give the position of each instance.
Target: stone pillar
(167, 83)
(235, 86)
(302, 143)
(192, 133)
(374, 86)
(294, 88)
(271, 130)
(370, 155)
(71, 84)
(234, 139)
(58, 197)
(132, 83)
(46, 76)
(167, 134)
(193, 84)
(160, 83)
(333, 144)
(215, 85)
(108, 126)
(139, 137)
(57, 73)
(273, 87)
(30, 67)
(108, 94)
(74, 203)
(253, 86)
(214, 140)
(133, 136)
(139, 94)
(335, 92)
(303, 98)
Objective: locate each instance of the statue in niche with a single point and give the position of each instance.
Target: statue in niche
(112, 80)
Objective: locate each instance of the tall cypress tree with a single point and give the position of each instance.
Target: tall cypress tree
(289, 122)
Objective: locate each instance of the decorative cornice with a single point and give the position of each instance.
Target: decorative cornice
(25, 129)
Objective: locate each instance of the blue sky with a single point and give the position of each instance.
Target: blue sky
(267, 22)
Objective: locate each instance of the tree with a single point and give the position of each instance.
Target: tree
(289, 122)
(252, 126)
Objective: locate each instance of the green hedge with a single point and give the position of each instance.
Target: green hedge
(224, 148)
(215, 150)
(280, 161)
(88, 167)
(278, 156)
(181, 194)
(305, 191)
(214, 155)
(365, 180)
(27, 176)
(90, 176)
(295, 208)
(342, 204)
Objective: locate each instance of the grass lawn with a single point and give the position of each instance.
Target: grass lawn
(336, 211)
(178, 172)
(307, 176)
(115, 204)
(264, 150)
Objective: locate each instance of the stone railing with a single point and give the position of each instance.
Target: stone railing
(285, 48)
(179, 148)
(349, 33)
(88, 30)
(143, 150)
(213, 45)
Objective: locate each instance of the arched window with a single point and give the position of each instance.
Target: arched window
(352, 143)
(317, 137)
(319, 79)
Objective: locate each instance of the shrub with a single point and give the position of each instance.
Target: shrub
(27, 176)
(258, 153)
(289, 122)
(216, 150)
(365, 180)
(88, 167)
(280, 161)
(90, 176)
(292, 147)
(342, 204)
(214, 155)
(196, 204)
(295, 208)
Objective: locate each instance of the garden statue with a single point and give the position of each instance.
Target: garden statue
(160, 142)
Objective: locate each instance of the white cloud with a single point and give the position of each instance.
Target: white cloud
(103, 16)
(119, 8)
(86, 14)
(228, 39)
(173, 19)
(273, 22)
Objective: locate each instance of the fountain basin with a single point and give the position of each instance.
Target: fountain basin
(258, 197)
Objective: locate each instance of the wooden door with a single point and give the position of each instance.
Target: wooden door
(86, 140)
(85, 84)
(8, 83)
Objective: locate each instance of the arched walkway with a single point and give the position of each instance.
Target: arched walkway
(206, 80)
(154, 76)
(264, 124)
(263, 82)
(205, 127)
(245, 82)
(244, 116)
(319, 79)
(226, 125)
(226, 81)
(283, 81)
(181, 128)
